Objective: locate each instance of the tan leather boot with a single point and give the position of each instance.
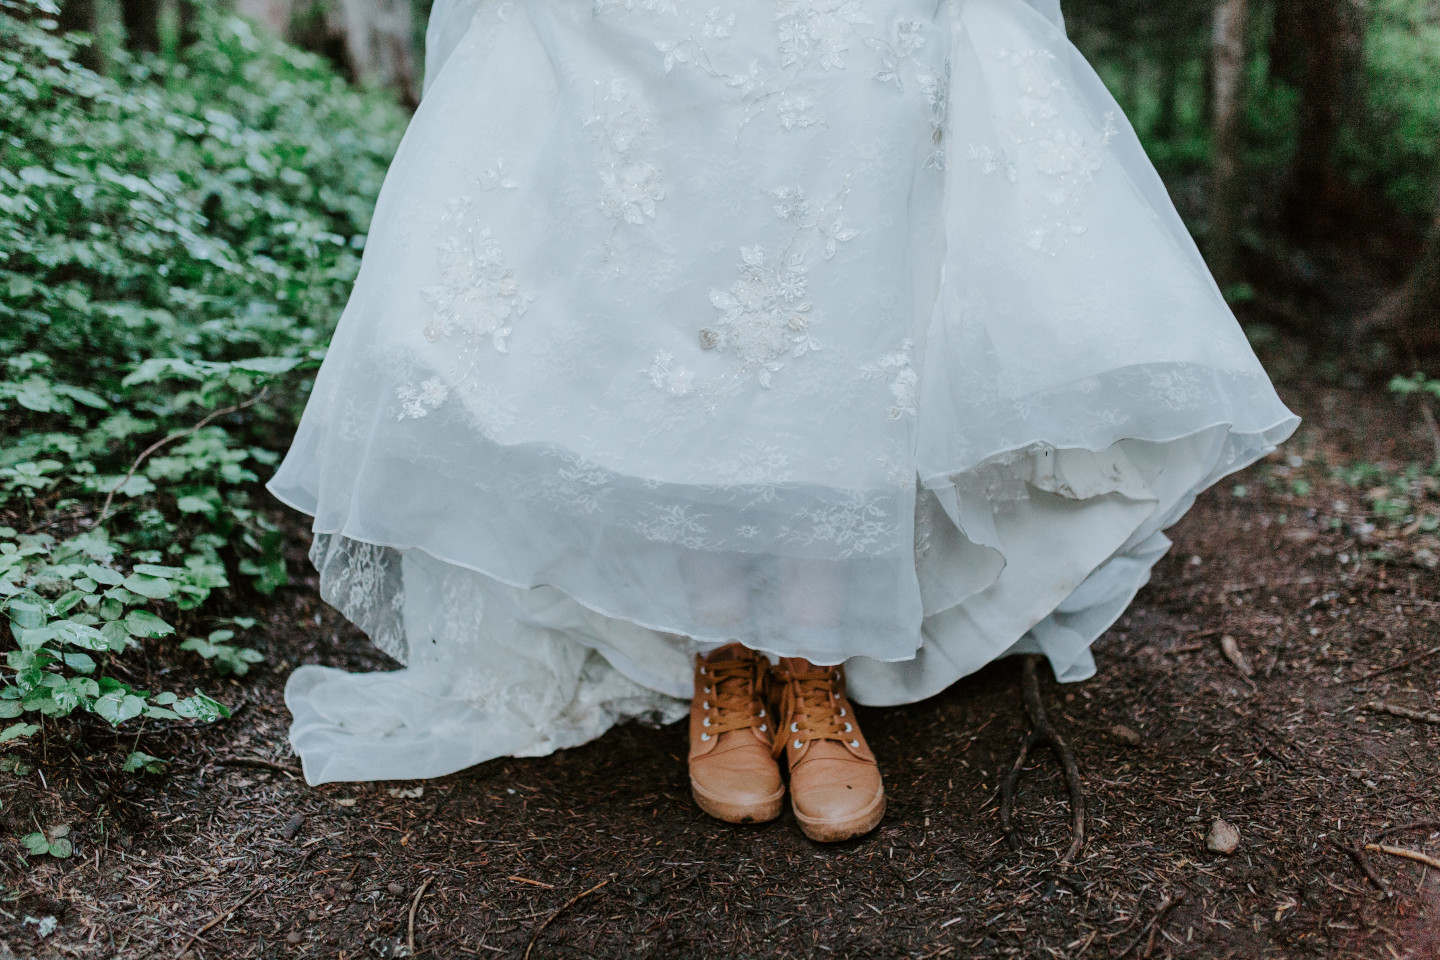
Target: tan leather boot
(835, 785)
(733, 773)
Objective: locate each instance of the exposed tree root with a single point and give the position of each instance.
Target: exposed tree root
(1042, 733)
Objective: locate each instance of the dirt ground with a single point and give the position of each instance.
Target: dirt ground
(599, 852)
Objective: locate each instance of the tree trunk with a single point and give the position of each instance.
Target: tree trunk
(189, 17)
(371, 40)
(1326, 37)
(273, 15)
(1168, 92)
(142, 24)
(379, 43)
(80, 16)
(1287, 49)
(1409, 319)
(1228, 97)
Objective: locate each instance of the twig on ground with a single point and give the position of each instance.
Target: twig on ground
(1043, 733)
(563, 907)
(170, 438)
(1363, 862)
(1405, 852)
(1160, 911)
(1399, 666)
(1231, 649)
(220, 918)
(410, 924)
(260, 762)
(1421, 716)
(1406, 827)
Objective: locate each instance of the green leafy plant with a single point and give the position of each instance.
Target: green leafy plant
(139, 760)
(54, 842)
(176, 240)
(1394, 142)
(1416, 385)
(224, 657)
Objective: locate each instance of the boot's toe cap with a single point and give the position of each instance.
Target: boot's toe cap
(838, 799)
(737, 786)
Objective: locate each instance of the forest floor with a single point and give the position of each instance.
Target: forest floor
(599, 852)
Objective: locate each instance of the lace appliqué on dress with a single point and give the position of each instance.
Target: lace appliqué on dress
(630, 187)
(811, 36)
(1052, 163)
(476, 303)
(853, 526)
(363, 582)
(899, 371)
(765, 315)
(478, 297)
(765, 318)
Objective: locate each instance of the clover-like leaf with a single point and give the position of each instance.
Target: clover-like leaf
(139, 760)
(18, 730)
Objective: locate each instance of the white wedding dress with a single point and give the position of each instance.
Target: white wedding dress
(858, 330)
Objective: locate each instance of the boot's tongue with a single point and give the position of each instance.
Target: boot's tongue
(804, 670)
(731, 651)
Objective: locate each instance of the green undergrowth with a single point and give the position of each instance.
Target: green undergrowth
(177, 239)
(1389, 506)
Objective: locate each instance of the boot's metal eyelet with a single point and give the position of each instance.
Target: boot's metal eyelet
(848, 728)
(762, 711)
(794, 728)
(705, 705)
(707, 690)
(704, 736)
(854, 743)
(702, 671)
(762, 728)
(798, 744)
(706, 723)
(842, 711)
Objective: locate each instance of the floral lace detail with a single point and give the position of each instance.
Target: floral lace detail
(925, 506)
(1055, 160)
(363, 582)
(581, 485)
(898, 369)
(494, 177)
(762, 464)
(676, 381)
(629, 186)
(907, 40)
(476, 302)
(676, 524)
(817, 32)
(811, 36)
(478, 297)
(765, 316)
(936, 89)
(854, 526)
(652, 6)
(417, 401)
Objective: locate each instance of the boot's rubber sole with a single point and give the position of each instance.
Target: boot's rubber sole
(753, 811)
(834, 830)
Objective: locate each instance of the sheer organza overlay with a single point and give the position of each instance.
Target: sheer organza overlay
(859, 331)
